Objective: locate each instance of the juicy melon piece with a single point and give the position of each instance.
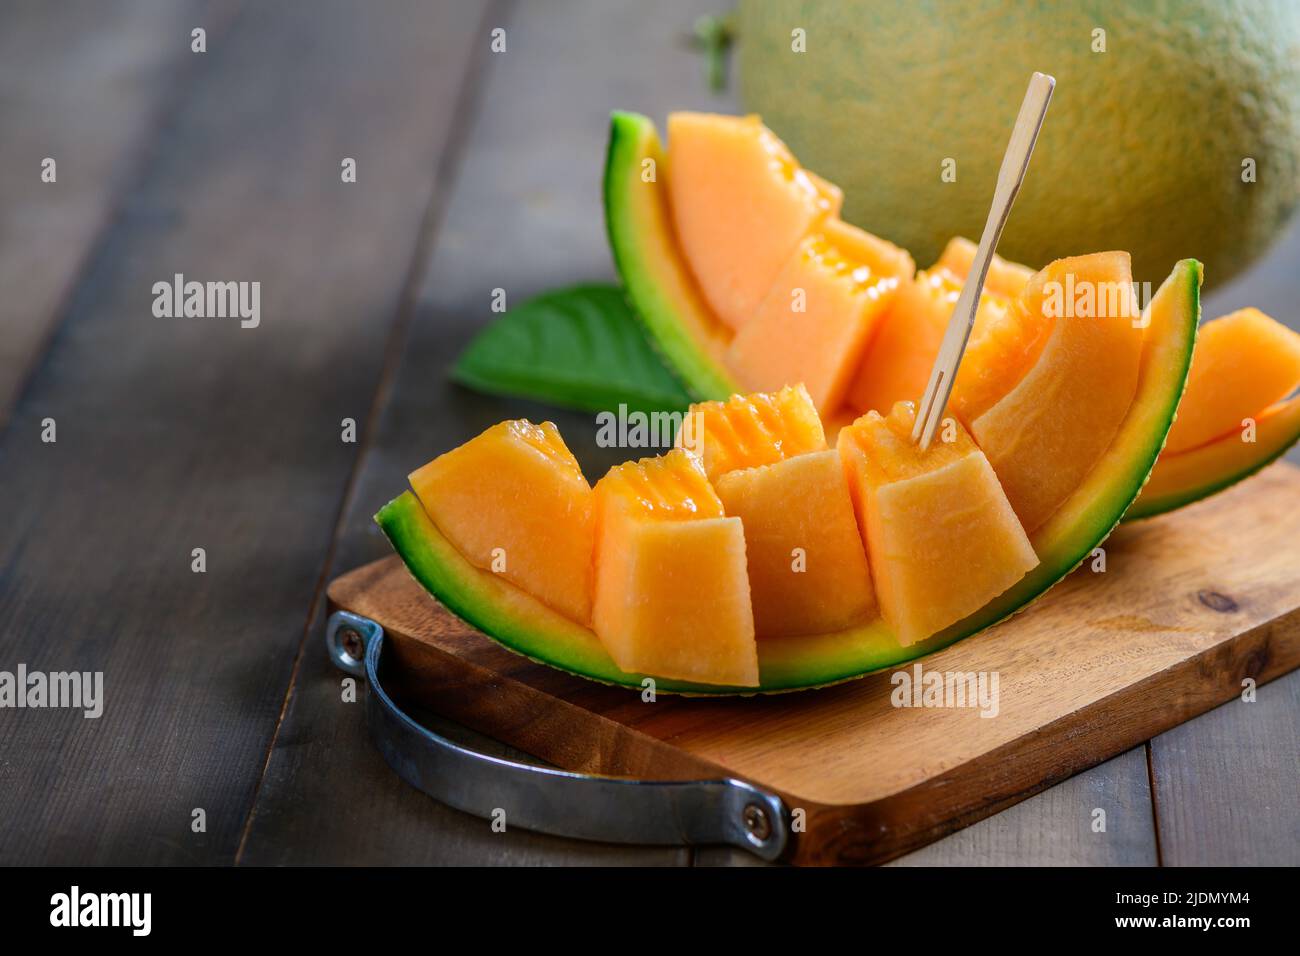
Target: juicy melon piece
(819, 315)
(800, 503)
(740, 205)
(746, 431)
(514, 500)
(1045, 435)
(943, 538)
(672, 593)
(1199, 472)
(1244, 363)
(897, 363)
(1004, 343)
(1007, 279)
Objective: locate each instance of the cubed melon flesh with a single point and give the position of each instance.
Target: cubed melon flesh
(740, 205)
(818, 317)
(808, 570)
(1244, 363)
(943, 539)
(897, 362)
(1004, 343)
(1045, 435)
(1007, 279)
(514, 501)
(746, 431)
(672, 593)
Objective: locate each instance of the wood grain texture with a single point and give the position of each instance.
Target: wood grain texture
(182, 433)
(1226, 783)
(1052, 828)
(90, 100)
(1101, 664)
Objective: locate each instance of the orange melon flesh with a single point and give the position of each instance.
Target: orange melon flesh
(808, 570)
(747, 431)
(672, 593)
(943, 538)
(818, 317)
(1193, 474)
(1007, 279)
(897, 363)
(513, 500)
(1046, 434)
(1004, 343)
(1244, 362)
(740, 204)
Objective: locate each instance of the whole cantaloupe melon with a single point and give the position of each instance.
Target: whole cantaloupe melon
(1144, 143)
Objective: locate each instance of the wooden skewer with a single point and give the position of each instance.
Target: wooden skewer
(930, 410)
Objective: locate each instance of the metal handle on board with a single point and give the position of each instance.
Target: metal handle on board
(585, 806)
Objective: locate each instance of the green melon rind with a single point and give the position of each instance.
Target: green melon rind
(524, 625)
(647, 280)
(1146, 507)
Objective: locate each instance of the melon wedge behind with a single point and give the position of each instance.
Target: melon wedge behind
(1189, 476)
(740, 205)
(1245, 362)
(665, 298)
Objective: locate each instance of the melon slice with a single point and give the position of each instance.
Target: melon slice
(513, 501)
(666, 300)
(897, 363)
(944, 541)
(1191, 475)
(672, 594)
(746, 431)
(740, 205)
(808, 571)
(1004, 343)
(524, 624)
(1046, 434)
(818, 316)
(1244, 363)
(1007, 279)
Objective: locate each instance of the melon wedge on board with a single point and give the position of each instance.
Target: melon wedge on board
(524, 624)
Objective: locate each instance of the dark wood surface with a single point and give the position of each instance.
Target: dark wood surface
(476, 171)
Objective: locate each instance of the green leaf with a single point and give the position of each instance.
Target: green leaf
(579, 347)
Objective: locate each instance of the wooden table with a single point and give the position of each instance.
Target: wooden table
(475, 171)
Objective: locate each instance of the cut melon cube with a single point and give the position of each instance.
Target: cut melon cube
(808, 571)
(816, 321)
(1007, 279)
(1045, 435)
(514, 501)
(1244, 363)
(740, 205)
(1004, 344)
(943, 538)
(746, 431)
(896, 366)
(672, 594)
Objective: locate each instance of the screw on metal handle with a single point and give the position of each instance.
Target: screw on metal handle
(586, 806)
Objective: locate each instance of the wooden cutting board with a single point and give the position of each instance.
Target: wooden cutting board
(1188, 607)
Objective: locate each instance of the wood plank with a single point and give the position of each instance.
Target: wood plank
(182, 433)
(89, 99)
(525, 216)
(1096, 667)
(1053, 828)
(1226, 784)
